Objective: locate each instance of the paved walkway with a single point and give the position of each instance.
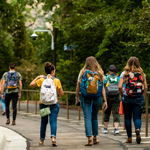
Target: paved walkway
(70, 135)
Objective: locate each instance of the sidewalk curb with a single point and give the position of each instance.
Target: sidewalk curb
(11, 140)
(2, 141)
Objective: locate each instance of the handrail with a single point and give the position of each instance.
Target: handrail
(67, 102)
(36, 91)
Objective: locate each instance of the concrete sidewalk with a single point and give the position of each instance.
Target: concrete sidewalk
(70, 134)
(11, 140)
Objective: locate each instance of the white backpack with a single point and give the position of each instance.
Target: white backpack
(48, 94)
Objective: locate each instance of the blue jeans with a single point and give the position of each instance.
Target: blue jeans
(90, 110)
(132, 106)
(52, 119)
(3, 104)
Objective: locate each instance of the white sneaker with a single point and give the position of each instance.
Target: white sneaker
(104, 131)
(116, 131)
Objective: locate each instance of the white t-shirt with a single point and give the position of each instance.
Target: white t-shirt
(124, 89)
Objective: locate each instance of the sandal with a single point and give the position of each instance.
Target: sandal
(95, 141)
(4, 112)
(41, 142)
(129, 140)
(54, 142)
(138, 137)
(89, 143)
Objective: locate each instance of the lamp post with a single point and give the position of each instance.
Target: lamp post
(53, 44)
(34, 36)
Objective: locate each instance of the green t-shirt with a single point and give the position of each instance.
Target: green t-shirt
(19, 77)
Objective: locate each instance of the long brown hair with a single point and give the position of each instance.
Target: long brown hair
(133, 65)
(92, 65)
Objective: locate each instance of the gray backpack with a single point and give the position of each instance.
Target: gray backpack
(12, 82)
(112, 85)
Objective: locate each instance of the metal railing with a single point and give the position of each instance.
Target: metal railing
(27, 98)
(36, 91)
(79, 109)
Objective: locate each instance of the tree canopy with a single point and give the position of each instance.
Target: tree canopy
(112, 31)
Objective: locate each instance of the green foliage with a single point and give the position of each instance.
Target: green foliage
(6, 52)
(112, 31)
(29, 71)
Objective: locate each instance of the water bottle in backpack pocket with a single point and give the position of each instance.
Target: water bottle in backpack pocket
(112, 85)
(48, 94)
(12, 82)
(91, 86)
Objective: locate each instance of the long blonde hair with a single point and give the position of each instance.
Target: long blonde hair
(92, 65)
(133, 65)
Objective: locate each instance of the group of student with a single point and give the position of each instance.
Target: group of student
(130, 88)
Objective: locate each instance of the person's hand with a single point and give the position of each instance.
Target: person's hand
(19, 95)
(2, 95)
(104, 106)
(77, 101)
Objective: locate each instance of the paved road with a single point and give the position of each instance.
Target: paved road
(70, 135)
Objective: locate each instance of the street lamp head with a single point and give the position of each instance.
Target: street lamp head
(34, 36)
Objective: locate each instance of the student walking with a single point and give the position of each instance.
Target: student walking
(48, 99)
(91, 84)
(113, 101)
(2, 100)
(13, 82)
(133, 96)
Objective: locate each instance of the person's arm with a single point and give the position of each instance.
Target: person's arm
(20, 89)
(2, 89)
(145, 88)
(120, 87)
(59, 88)
(105, 100)
(33, 84)
(77, 92)
(60, 92)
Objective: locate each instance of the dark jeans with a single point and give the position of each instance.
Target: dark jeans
(90, 110)
(132, 106)
(52, 119)
(14, 97)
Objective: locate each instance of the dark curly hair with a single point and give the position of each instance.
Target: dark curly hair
(49, 67)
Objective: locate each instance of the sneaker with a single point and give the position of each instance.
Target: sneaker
(3, 113)
(116, 131)
(104, 130)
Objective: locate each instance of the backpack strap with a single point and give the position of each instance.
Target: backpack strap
(82, 102)
(8, 74)
(15, 73)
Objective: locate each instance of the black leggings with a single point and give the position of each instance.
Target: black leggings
(14, 97)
